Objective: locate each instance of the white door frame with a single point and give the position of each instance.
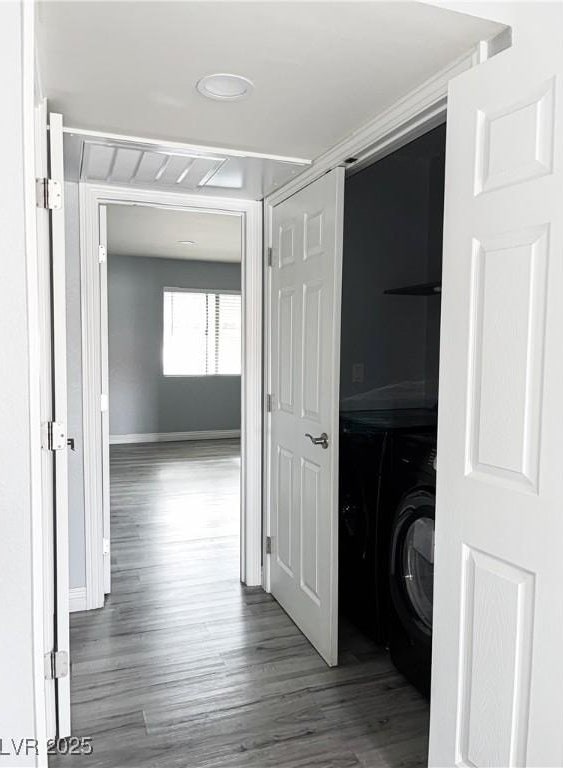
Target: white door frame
(91, 197)
(410, 117)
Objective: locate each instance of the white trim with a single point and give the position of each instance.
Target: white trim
(91, 197)
(170, 437)
(60, 414)
(411, 116)
(266, 437)
(163, 145)
(38, 88)
(77, 600)
(104, 392)
(91, 421)
(217, 291)
(251, 400)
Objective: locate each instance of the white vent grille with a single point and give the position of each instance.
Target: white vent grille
(125, 165)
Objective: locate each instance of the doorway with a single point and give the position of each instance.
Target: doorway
(390, 342)
(173, 364)
(386, 440)
(93, 202)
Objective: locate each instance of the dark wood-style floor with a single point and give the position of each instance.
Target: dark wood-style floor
(185, 667)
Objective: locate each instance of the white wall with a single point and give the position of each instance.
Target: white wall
(21, 684)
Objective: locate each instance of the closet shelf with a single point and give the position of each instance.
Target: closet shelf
(422, 289)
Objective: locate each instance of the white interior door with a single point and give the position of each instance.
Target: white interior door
(305, 360)
(47, 458)
(60, 669)
(497, 698)
(104, 390)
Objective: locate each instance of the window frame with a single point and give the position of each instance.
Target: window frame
(215, 291)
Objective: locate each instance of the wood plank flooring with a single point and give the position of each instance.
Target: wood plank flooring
(184, 667)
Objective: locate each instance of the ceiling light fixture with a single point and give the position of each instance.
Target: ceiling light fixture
(225, 86)
(186, 242)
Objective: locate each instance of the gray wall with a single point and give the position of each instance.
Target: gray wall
(142, 400)
(392, 238)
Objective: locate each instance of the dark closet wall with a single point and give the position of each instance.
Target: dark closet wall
(393, 237)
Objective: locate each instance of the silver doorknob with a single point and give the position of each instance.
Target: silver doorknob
(322, 440)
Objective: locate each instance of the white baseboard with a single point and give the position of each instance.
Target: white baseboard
(167, 437)
(77, 599)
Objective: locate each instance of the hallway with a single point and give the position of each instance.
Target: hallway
(185, 667)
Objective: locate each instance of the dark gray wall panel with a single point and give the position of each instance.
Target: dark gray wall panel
(392, 238)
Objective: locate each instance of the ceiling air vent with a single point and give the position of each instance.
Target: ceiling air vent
(103, 162)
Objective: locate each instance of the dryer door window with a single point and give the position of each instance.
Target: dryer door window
(418, 569)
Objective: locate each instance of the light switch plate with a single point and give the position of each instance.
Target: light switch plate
(357, 373)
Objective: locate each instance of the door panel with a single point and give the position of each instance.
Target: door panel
(285, 361)
(311, 346)
(306, 288)
(310, 532)
(284, 547)
(498, 616)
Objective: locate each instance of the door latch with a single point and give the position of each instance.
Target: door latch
(322, 440)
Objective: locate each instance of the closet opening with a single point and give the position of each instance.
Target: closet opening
(390, 340)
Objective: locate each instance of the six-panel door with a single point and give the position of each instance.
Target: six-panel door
(306, 294)
(498, 613)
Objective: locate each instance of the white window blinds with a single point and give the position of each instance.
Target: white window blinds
(202, 334)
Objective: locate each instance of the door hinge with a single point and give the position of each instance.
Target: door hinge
(105, 547)
(270, 256)
(56, 665)
(104, 402)
(53, 436)
(268, 545)
(102, 254)
(49, 194)
(269, 401)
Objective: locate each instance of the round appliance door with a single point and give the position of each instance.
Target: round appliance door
(412, 562)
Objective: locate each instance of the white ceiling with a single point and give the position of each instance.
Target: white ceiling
(320, 69)
(135, 230)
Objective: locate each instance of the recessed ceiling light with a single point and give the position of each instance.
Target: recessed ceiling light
(225, 87)
(186, 242)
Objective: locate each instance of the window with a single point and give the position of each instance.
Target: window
(202, 333)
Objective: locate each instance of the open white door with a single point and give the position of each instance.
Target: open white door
(57, 666)
(305, 360)
(47, 457)
(104, 390)
(497, 698)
